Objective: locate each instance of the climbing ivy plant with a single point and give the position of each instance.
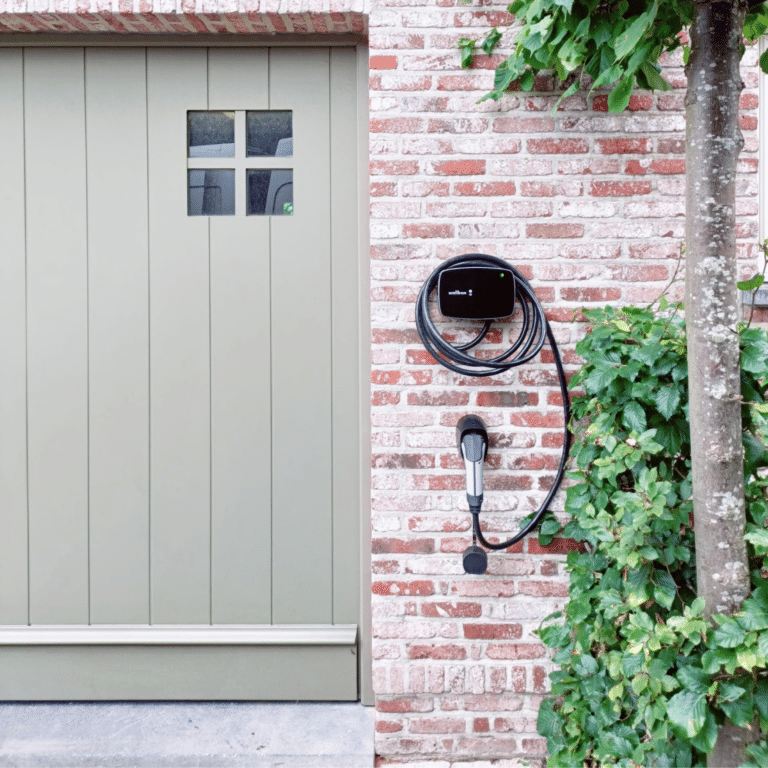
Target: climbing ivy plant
(643, 679)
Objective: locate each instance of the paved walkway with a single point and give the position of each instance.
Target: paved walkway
(186, 735)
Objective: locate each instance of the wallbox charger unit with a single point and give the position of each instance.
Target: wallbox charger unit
(486, 288)
(476, 293)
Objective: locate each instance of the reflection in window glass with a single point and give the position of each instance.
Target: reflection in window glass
(211, 192)
(211, 134)
(270, 193)
(269, 134)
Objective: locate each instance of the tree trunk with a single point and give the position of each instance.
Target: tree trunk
(712, 312)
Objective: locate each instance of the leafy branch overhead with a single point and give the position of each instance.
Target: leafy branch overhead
(615, 43)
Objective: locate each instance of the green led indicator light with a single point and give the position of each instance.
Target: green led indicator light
(501, 274)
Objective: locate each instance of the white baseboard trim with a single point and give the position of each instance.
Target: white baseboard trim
(193, 634)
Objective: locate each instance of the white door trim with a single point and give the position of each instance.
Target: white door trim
(193, 634)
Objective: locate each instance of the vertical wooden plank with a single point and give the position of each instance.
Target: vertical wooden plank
(13, 353)
(57, 257)
(240, 372)
(116, 124)
(179, 348)
(345, 334)
(301, 350)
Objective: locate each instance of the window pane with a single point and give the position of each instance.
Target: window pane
(270, 193)
(269, 134)
(211, 193)
(211, 134)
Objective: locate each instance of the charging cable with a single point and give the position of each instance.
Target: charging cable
(535, 330)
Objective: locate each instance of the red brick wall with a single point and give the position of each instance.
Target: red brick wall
(589, 206)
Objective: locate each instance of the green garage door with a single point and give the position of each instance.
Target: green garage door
(179, 436)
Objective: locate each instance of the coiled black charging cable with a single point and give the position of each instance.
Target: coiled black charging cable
(534, 331)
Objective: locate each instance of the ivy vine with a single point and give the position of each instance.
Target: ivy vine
(643, 678)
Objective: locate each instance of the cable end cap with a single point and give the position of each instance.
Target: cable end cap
(475, 560)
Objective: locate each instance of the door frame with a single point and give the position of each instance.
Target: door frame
(360, 44)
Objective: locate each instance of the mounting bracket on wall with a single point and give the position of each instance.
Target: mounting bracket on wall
(485, 288)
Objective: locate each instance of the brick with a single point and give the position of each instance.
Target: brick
(554, 230)
(401, 546)
(506, 399)
(438, 398)
(590, 294)
(452, 610)
(466, 81)
(383, 397)
(425, 188)
(509, 651)
(551, 189)
(382, 62)
(400, 588)
(558, 146)
(419, 357)
(385, 377)
(456, 125)
(388, 726)
(402, 461)
(620, 188)
(543, 588)
(403, 705)
(478, 189)
(492, 631)
(622, 146)
(668, 166)
(458, 167)
(428, 230)
(435, 482)
(383, 189)
(437, 725)
(638, 273)
(394, 167)
(437, 652)
(396, 125)
(523, 125)
(481, 725)
(440, 524)
(490, 702)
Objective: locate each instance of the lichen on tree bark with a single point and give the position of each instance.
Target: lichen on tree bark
(712, 313)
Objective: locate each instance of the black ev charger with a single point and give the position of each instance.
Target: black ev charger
(481, 287)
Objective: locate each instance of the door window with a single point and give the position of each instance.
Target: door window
(249, 148)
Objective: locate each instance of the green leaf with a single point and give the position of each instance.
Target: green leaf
(751, 284)
(618, 98)
(466, 47)
(585, 665)
(761, 698)
(729, 635)
(707, 736)
(764, 62)
(687, 713)
(657, 83)
(527, 80)
(491, 41)
(668, 401)
(627, 42)
(548, 721)
(633, 417)
(755, 614)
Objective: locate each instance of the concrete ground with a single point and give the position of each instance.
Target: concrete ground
(186, 735)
